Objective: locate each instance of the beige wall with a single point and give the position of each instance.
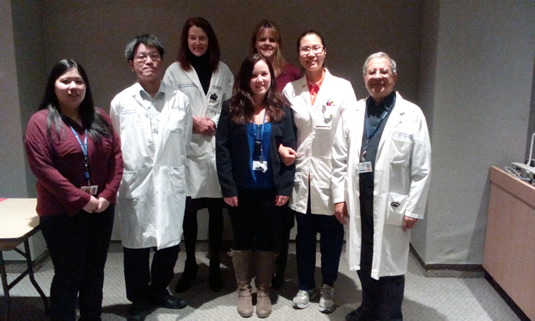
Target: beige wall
(96, 32)
(12, 169)
(481, 71)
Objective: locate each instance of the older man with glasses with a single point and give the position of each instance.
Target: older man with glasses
(154, 122)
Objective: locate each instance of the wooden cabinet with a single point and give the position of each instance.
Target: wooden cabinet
(510, 241)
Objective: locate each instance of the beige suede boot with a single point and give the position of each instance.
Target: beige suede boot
(264, 271)
(242, 262)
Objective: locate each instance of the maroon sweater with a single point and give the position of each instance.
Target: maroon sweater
(58, 164)
(289, 74)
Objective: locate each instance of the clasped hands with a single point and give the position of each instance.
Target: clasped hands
(96, 205)
(203, 126)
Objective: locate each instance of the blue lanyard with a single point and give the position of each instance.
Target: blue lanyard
(84, 150)
(261, 132)
(259, 140)
(376, 128)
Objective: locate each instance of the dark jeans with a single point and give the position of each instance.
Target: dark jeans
(381, 299)
(215, 226)
(78, 247)
(144, 283)
(288, 222)
(256, 221)
(331, 242)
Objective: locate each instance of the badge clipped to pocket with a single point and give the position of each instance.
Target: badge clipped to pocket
(365, 167)
(323, 123)
(260, 166)
(91, 190)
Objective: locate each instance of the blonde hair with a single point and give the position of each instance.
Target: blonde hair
(278, 60)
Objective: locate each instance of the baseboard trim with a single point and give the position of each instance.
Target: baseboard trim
(510, 302)
(448, 270)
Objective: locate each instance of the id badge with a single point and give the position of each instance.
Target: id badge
(260, 166)
(323, 123)
(365, 167)
(92, 189)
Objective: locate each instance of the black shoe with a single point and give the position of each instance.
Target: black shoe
(216, 282)
(170, 302)
(139, 311)
(359, 315)
(188, 277)
(278, 280)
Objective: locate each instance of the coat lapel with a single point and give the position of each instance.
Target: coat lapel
(192, 75)
(325, 90)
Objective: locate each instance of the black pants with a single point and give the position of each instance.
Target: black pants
(256, 221)
(78, 247)
(331, 243)
(144, 283)
(381, 299)
(215, 227)
(288, 221)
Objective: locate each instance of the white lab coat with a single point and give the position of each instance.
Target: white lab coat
(201, 173)
(316, 127)
(402, 171)
(152, 194)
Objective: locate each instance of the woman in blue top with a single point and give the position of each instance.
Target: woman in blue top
(254, 180)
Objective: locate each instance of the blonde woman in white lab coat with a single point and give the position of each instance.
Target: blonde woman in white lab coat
(208, 83)
(317, 100)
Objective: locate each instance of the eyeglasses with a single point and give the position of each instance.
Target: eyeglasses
(143, 57)
(315, 50)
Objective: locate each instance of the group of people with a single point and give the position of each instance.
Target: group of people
(272, 145)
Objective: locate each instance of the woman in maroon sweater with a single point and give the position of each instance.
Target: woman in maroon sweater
(267, 41)
(76, 156)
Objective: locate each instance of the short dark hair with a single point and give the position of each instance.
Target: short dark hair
(242, 103)
(146, 39)
(95, 124)
(213, 51)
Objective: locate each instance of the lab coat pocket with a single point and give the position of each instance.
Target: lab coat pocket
(395, 208)
(128, 187)
(400, 149)
(214, 107)
(176, 120)
(178, 179)
(176, 129)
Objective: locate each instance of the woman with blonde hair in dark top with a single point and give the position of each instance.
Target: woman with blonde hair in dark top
(267, 41)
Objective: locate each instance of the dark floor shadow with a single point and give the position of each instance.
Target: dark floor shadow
(24, 308)
(115, 312)
(200, 292)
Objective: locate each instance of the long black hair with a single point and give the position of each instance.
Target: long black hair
(96, 126)
(242, 103)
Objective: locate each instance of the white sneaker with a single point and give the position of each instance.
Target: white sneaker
(302, 298)
(327, 299)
